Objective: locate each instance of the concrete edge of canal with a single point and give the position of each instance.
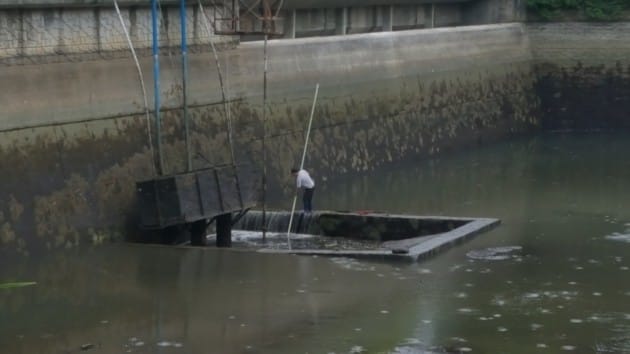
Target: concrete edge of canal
(393, 246)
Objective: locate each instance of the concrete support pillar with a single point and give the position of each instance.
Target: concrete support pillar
(341, 21)
(432, 16)
(388, 18)
(289, 24)
(224, 230)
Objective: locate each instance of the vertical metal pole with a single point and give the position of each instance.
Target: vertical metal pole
(228, 117)
(264, 147)
(142, 86)
(182, 20)
(308, 134)
(432, 15)
(156, 85)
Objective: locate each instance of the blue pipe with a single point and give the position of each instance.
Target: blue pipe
(182, 20)
(156, 83)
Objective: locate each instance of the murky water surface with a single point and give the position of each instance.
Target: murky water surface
(551, 279)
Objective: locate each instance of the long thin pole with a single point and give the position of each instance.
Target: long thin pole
(264, 147)
(144, 90)
(308, 134)
(184, 44)
(156, 84)
(226, 107)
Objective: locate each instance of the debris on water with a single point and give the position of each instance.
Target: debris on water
(568, 347)
(495, 253)
(597, 294)
(357, 349)
(541, 345)
(87, 346)
(384, 312)
(535, 326)
(576, 320)
(502, 329)
(17, 284)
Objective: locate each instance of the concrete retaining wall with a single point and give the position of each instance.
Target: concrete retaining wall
(75, 137)
(584, 74)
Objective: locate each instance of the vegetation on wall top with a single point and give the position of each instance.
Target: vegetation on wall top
(595, 10)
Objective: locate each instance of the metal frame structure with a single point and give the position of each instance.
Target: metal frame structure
(250, 17)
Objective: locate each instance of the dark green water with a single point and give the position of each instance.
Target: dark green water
(563, 199)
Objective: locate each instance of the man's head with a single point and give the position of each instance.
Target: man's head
(294, 171)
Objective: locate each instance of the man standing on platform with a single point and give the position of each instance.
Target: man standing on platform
(305, 182)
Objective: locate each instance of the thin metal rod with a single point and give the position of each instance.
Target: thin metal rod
(144, 90)
(226, 107)
(184, 45)
(308, 134)
(156, 85)
(264, 147)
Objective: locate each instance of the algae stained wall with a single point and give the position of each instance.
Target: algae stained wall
(584, 74)
(75, 137)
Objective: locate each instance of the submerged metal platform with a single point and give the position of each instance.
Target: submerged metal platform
(385, 236)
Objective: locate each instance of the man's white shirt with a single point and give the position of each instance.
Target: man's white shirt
(304, 180)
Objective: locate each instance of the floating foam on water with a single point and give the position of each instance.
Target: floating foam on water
(465, 310)
(618, 237)
(502, 329)
(568, 347)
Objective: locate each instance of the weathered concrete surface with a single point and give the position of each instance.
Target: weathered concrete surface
(407, 237)
(75, 137)
(62, 34)
(583, 72)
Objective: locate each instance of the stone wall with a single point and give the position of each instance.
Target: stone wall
(583, 74)
(75, 136)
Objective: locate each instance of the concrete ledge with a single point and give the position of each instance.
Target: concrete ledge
(401, 248)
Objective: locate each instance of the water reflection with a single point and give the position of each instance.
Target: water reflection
(551, 278)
